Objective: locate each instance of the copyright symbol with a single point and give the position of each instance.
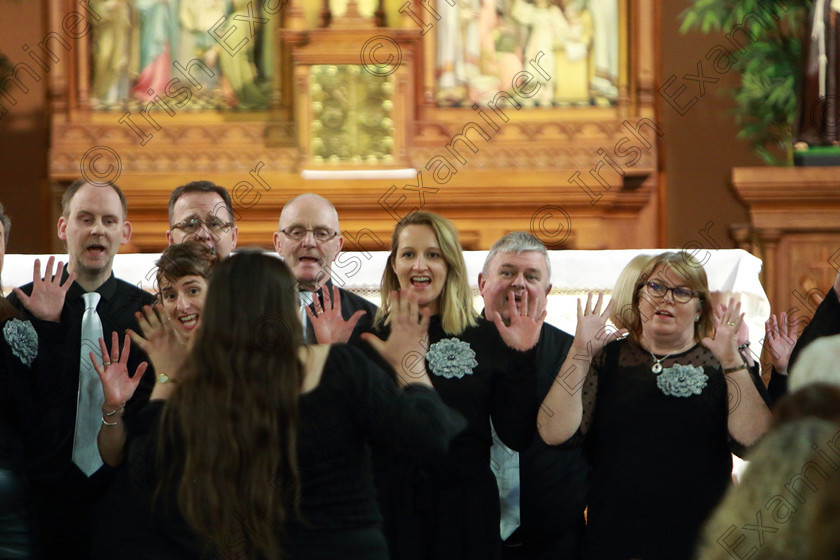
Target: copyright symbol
(101, 173)
(735, 397)
(271, 335)
(824, 115)
(551, 225)
(381, 56)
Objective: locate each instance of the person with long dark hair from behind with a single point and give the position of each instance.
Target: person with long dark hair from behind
(261, 449)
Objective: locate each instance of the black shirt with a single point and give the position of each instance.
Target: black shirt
(661, 462)
(355, 404)
(448, 509)
(64, 496)
(17, 373)
(554, 481)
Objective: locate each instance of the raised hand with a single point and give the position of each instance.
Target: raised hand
(523, 332)
(724, 344)
(328, 324)
(406, 347)
(741, 337)
(780, 338)
(113, 373)
(48, 293)
(166, 348)
(591, 332)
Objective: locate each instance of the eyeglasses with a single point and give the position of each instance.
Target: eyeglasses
(192, 225)
(680, 295)
(321, 234)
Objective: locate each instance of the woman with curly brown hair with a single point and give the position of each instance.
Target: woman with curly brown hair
(183, 273)
(261, 451)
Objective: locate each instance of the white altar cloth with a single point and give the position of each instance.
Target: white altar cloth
(573, 273)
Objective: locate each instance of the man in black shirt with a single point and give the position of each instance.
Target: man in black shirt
(543, 489)
(93, 224)
(309, 240)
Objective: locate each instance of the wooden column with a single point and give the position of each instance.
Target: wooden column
(795, 215)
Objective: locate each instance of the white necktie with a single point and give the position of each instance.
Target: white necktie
(90, 398)
(504, 462)
(305, 301)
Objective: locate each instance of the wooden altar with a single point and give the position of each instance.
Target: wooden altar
(794, 229)
(581, 177)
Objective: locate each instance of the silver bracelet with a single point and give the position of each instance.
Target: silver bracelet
(108, 423)
(113, 412)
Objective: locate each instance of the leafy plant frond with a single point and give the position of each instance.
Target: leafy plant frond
(769, 33)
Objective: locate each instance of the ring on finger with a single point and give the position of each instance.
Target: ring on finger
(731, 323)
(106, 363)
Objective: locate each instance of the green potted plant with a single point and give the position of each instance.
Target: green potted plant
(766, 103)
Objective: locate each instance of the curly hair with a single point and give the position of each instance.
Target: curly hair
(185, 259)
(228, 434)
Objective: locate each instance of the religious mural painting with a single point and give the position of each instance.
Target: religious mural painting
(482, 44)
(138, 45)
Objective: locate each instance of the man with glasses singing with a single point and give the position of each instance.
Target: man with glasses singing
(202, 211)
(309, 239)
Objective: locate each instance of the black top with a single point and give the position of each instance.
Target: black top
(661, 463)
(449, 508)
(350, 303)
(826, 322)
(354, 404)
(18, 369)
(554, 481)
(63, 495)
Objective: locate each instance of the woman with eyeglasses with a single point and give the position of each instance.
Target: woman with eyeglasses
(659, 412)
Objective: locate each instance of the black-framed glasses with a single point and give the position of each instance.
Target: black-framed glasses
(192, 225)
(321, 234)
(680, 295)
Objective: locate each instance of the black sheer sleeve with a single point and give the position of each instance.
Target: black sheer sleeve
(588, 390)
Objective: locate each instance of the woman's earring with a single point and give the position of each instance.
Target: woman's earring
(697, 319)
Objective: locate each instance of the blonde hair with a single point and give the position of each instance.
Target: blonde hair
(694, 276)
(790, 459)
(818, 363)
(456, 308)
(623, 291)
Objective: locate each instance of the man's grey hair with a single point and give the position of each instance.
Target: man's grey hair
(7, 225)
(518, 242)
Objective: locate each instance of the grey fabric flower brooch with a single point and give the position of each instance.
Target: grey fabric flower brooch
(451, 357)
(682, 380)
(22, 340)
